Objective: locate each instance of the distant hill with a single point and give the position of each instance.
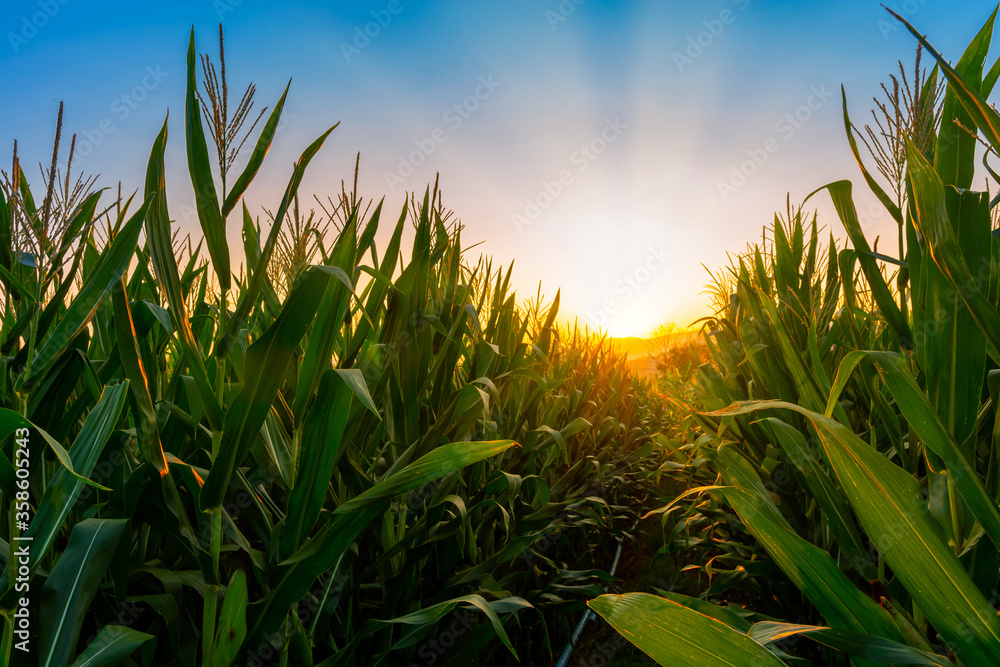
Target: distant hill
(633, 346)
(640, 350)
(641, 347)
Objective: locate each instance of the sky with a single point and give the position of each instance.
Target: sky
(616, 151)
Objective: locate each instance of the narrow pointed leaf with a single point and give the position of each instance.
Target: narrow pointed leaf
(890, 506)
(72, 584)
(266, 361)
(111, 646)
(248, 300)
(64, 488)
(840, 192)
(200, 168)
(114, 262)
(256, 157)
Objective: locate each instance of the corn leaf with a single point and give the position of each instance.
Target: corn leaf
(206, 199)
(672, 634)
(890, 506)
(111, 646)
(72, 584)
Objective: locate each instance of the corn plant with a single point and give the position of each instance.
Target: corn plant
(227, 471)
(879, 410)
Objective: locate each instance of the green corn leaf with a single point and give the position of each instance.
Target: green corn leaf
(890, 506)
(805, 380)
(256, 157)
(321, 442)
(433, 614)
(723, 614)
(294, 580)
(811, 569)
(954, 349)
(114, 263)
(158, 235)
(112, 645)
(11, 421)
(835, 508)
(64, 488)
(930, 215)
(72, 584)
(251, 245)
(330, 319)
(355, 381)
(300, 650)
(266, 361)
(147, 431)
(18, 290)
(298, 573)
(856, 644)
(673, 634)
(926, 423)
(232, 626)
(840, 192)
(429, 467)
(248, 300)
(200, 168)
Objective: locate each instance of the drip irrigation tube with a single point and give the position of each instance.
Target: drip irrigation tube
(588, 615)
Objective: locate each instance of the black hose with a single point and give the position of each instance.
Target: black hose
(588, 615)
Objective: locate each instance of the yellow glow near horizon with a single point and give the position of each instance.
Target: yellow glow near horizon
(639, 324)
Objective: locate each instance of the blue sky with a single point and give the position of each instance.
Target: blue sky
(591, 140)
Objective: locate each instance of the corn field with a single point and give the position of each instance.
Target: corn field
(325, 448)
(841, 454)
(323, 460)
